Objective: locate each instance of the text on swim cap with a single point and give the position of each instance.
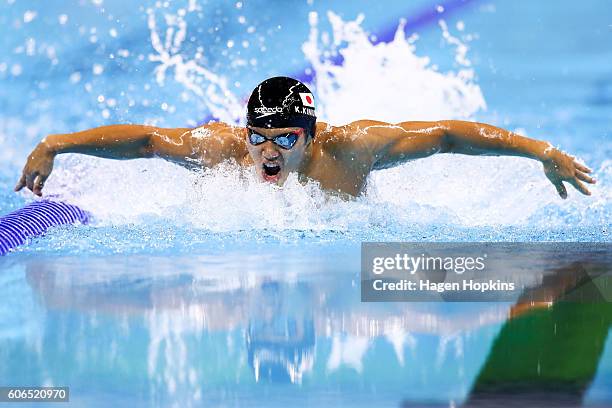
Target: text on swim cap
(304, 111)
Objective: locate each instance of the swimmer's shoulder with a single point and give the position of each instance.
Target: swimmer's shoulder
(341, 138)
(220, 141)
(328, 136)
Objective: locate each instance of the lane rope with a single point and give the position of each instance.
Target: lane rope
(35, 219)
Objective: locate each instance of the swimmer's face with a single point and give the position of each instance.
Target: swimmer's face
(274, 161)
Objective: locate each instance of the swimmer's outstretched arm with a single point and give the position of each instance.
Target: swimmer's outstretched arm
(391, 145)
(124, 142)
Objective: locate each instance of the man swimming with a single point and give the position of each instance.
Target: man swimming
(282, 136)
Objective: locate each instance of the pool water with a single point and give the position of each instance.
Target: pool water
(210, 288)
(277, 325)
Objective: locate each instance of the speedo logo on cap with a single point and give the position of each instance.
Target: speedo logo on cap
(269, 111)
(265, 111)
(307, 99)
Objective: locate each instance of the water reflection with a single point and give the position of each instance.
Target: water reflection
(193, 331)
(281, 340)
(547, 353)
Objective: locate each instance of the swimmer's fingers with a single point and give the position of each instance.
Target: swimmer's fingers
(579, 186)
(558, 184)
(561, 189)
(39, 182)
(33, 181)
(581, 176)
(582, 167)
(21, 183)
(30, 177)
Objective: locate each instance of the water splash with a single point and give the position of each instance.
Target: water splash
(211, 88)
(385, 81)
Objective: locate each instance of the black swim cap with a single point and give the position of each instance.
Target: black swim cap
(281, 102)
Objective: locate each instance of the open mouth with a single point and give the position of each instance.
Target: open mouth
(271, 171)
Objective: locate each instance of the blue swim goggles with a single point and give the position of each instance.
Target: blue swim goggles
(285, 140)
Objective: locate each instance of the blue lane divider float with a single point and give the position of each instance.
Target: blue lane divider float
(35, 219)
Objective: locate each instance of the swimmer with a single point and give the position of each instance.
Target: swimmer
(282, 136)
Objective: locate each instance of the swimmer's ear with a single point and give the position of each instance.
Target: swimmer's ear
(312, 132)
(305, 133)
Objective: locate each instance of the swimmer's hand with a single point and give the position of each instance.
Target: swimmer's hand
(37, 169)
(560, 167)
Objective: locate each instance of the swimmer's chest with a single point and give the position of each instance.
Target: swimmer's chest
(344, 174)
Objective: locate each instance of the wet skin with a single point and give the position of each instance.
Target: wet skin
(339, 157)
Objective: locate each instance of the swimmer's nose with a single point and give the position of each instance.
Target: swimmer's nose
(271, 154)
